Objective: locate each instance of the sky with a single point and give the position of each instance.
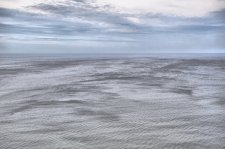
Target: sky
(112, 26)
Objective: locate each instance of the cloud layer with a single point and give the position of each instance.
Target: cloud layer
(112, 26)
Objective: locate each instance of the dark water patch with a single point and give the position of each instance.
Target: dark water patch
(172, 126)
(155, 81)
(178, 72)
(3, 122)
(26, 93)
(74, 102)
(60, 124)
(114, 78)
(131, 77)
(220, 101)
(205, 62)
(56, 64)
(41, 104)
(64, 63)
(159, 85)
(191, 64)
(183, 91)
(42, 131)
(107, 74)
(174, 66)
(12, 71)
(62, 89)
(85, 139)
(101, 115)
(171, 66)
(21, 109)
(71, 89)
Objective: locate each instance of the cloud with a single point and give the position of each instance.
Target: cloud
(81, 22)
(185, 8)
(87, 12)
(219, 15)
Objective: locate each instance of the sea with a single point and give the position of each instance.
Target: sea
(112, 101)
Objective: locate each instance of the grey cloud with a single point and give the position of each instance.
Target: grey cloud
(17, 15)
(81, 1)
(40, 24)
(219, 15)
(4, 12)
(54, 24)
(88, 12)
(49, 26)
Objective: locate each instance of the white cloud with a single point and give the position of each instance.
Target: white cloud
(186, 8)
(22, 4)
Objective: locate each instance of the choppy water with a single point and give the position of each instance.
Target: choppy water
(112, 103)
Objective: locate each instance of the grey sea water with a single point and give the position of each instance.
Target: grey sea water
(112, 102)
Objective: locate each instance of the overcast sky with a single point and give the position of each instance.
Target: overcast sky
(112, 26)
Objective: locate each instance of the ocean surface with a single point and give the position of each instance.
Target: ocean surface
(114, 102)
